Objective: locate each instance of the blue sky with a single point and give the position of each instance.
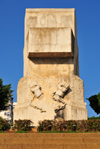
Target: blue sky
(12, 13)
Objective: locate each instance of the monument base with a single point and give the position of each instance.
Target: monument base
(71, 106)
(71, 112)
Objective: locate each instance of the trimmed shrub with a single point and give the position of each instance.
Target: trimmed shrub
(4, 125)
(22, 125)
(45, 125)
(93, 125)
(81, 125)
(71, 125)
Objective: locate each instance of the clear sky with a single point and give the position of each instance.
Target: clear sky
(12, 13)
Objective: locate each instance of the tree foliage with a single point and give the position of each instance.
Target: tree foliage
(5, 95)
(95, 102)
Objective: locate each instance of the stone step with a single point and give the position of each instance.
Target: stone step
(49, 135)
(50, 141)
(51, 146)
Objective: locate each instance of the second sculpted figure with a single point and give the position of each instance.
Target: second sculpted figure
(59, 95)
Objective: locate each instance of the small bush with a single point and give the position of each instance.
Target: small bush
(4, 125)
(22, 125)
(45, 125)
(71, 125)
(81, 125)
(93, 125)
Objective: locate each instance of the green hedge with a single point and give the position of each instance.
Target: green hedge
(92, 124)
(71, 125)
(4, 125)
(22, 125)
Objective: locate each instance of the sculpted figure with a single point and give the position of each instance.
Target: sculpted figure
(36, 89)
(59, 94)
(62, 88)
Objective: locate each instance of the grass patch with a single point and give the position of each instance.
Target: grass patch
(2, 132)
(21, 131)
(55, 131)
(67, 132)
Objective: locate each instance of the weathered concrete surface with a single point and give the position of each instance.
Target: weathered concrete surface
(50, 58)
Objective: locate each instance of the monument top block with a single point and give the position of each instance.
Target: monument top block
(50, 32)
(29, 10)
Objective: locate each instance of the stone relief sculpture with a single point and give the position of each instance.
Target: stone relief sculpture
(57, 96)
(63, 87)
(36, 89)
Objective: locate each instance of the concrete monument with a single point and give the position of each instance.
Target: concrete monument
(51, 86)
